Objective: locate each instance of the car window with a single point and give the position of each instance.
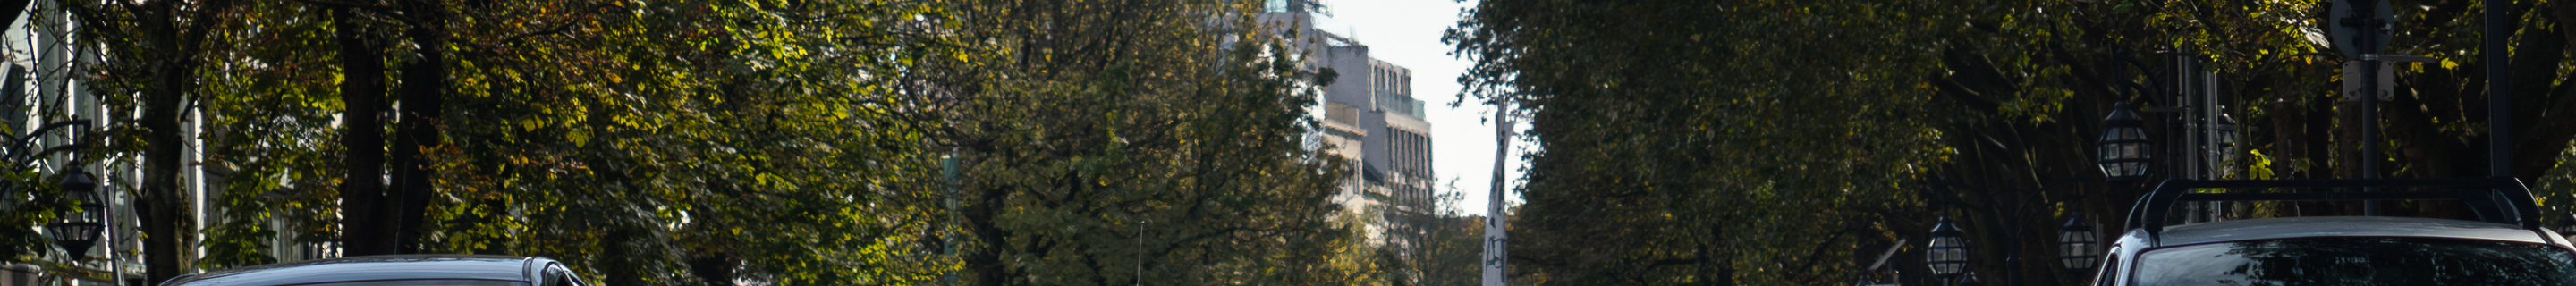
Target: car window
(423, 282)
(556, 275)
(2358, 261)
(559, 280)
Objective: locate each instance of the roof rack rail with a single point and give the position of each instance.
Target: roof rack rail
(2505, 199)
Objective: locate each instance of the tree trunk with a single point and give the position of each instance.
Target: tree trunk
(160, 203)
(362, 90)
(424, 83)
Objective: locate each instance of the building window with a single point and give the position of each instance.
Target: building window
(1275, 5)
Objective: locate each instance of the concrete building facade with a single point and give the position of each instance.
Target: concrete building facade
(1369, 118)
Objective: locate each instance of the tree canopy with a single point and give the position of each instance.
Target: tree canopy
(1771, 142)
(685, 142)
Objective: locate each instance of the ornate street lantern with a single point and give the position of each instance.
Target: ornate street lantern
(1949, 253)
(2076, 246)
(76, 231)
(2124, 147)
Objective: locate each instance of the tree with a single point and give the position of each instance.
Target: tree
(2278, 78)
(685, 142)
(361, 91)
(271, 152)
(1129, 142)
(1952, 107)
(589, 136)
(150, 55)
(1702, 142)
(1452, 245)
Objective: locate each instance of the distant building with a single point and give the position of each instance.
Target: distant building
(1370, 118)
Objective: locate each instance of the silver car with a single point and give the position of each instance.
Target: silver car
(396, 270)
(2506, 246)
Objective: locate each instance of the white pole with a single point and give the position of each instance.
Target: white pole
(1494, 241)
(116, 271)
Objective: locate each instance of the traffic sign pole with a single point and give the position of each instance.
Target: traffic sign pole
(2361, 30)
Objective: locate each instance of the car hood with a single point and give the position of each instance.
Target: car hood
(377, 267)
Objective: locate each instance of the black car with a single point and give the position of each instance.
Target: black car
(396, 270)
(2505, 245)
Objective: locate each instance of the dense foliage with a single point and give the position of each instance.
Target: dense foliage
(1680, 141)
(1133, 142)
(685, 142)
(1785, 142)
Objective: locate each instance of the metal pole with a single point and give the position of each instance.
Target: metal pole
(2369, 123)
(1495, 242)
(2499, 99)
(948, 171)
(110, 207)
(2012, 258)
(2369, 97)
(2211, 109)
(1140, 252)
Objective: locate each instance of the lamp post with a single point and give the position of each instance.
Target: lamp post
(2124, 159)
(2124, 146)
(2077, 248)
(1949, 253)
(2125, 156)
(77, 231)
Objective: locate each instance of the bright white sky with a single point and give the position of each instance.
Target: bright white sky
(1407, 33)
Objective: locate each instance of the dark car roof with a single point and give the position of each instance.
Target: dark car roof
(378, 267)
(2345, 226)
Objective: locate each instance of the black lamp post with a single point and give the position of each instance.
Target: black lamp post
(2125, 156)
(1948, 256)
(77, 231)
(2124, 147)
(2077, 248)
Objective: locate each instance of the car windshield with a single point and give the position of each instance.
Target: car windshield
(2358, 261)
(423, 282)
